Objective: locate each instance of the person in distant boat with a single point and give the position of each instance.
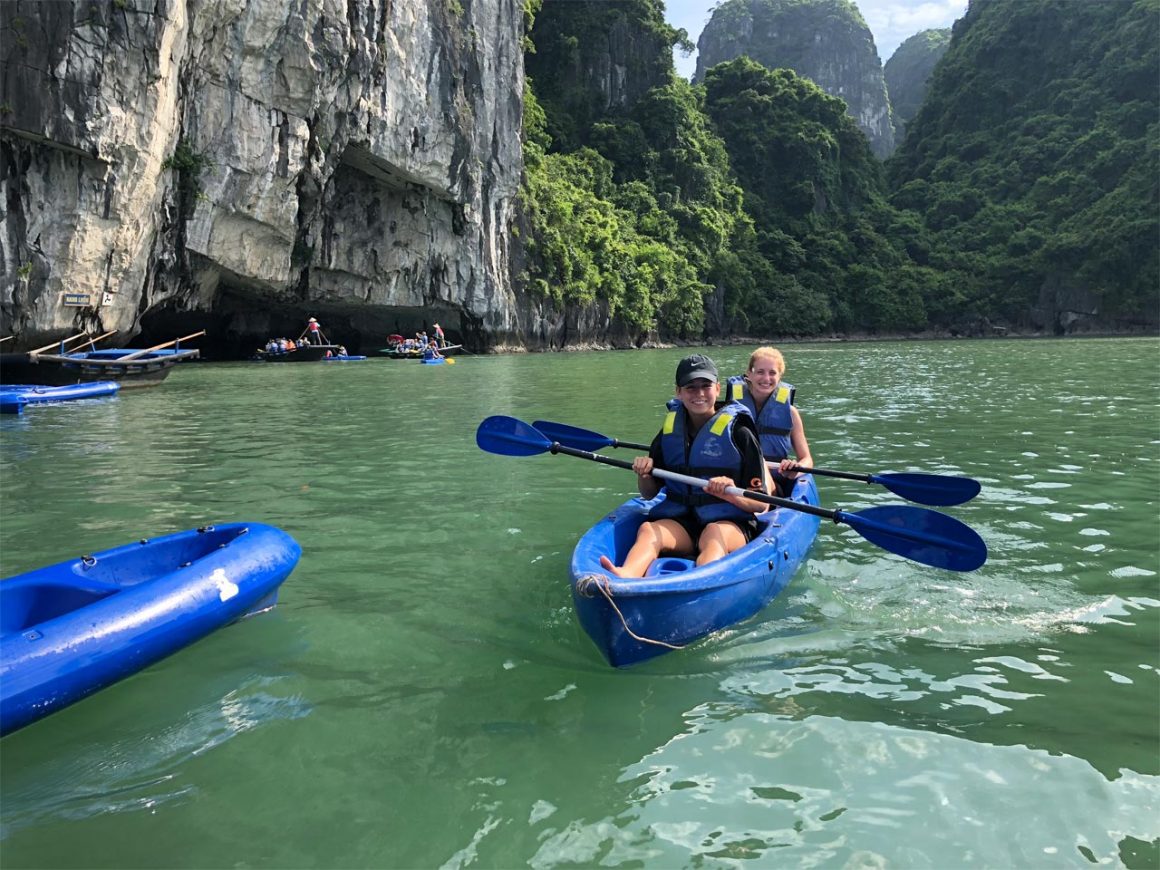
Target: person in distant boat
(313, 332)
(440, 338)
(779, 424)
(698, 440)
(431, 351)
(342, 350)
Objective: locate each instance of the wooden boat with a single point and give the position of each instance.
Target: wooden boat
(69, 629)
(14, 397)
(302, 353)
(130, 367)
(398, 353)
(632, 620)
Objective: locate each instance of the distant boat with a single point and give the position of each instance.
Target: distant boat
(129, 367)
(414, 353)
(301, 353)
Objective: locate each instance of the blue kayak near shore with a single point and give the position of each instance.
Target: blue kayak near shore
(15, 397)
(632, 620)
(70, 629)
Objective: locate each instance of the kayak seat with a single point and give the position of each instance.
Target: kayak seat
(668, 565)
(23, 605)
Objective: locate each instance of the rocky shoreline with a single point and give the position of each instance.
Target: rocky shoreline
(734, 341)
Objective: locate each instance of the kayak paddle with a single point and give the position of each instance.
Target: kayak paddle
(940, 490)
(919, 534)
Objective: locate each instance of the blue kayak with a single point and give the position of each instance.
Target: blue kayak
(15, 397)
(344, 357)
(434, 362)
(69, 629)
(676, 602)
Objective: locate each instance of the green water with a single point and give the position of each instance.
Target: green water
(423, 697)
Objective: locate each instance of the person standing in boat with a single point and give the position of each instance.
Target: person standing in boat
(313, 332)
(779, 424)
(440, 338)
(697, 440)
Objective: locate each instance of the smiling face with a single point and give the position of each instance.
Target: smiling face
(764, 375)
(699, 397)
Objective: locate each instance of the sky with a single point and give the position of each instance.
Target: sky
(891, 22)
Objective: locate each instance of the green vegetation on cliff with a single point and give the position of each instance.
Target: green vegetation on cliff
(831, 251)
(1035, 161)
(908, 71)
(1025, 193)
(593, 240)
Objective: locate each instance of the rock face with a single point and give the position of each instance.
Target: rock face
(908, 71)
(596, 56)
(243, 164)
(823, 40)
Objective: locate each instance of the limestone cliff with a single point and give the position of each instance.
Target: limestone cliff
(242, 164)
(595, 57)
(907, 73)
(823, 40)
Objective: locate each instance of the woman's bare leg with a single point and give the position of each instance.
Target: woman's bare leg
(652, 539)
(718, 540)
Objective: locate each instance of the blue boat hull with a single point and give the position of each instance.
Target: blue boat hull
(70, 629)
(14, 397)
(677, 602)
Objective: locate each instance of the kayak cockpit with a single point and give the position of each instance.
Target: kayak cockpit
(146, 560)
(23, 605)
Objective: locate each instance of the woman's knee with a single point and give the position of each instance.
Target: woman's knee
(724, 536)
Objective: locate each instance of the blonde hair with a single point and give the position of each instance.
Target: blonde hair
(771, 352)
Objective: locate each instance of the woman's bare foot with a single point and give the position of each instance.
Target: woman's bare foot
(607, 565)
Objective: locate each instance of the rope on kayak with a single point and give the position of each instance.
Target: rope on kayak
(589, 584)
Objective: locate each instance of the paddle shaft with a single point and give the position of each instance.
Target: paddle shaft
(823, 472)
(777, 501)
(65, 341)
(826, 472)
(159, 346)
(864, 525)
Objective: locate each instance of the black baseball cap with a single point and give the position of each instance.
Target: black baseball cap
(696, 366)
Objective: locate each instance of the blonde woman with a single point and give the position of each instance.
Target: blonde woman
(779, 424)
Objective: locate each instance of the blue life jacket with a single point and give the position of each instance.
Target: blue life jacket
(711, 454)
(774, 423)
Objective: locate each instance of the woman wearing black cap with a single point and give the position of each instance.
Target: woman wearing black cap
(697, 440)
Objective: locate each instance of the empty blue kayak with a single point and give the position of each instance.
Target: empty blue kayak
(14, 397)
(72, 628)
(631, 620)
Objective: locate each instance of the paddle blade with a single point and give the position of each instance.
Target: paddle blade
(919, 534)
(572, 436)
(940, 490)
(450, 361)
(508, 436)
